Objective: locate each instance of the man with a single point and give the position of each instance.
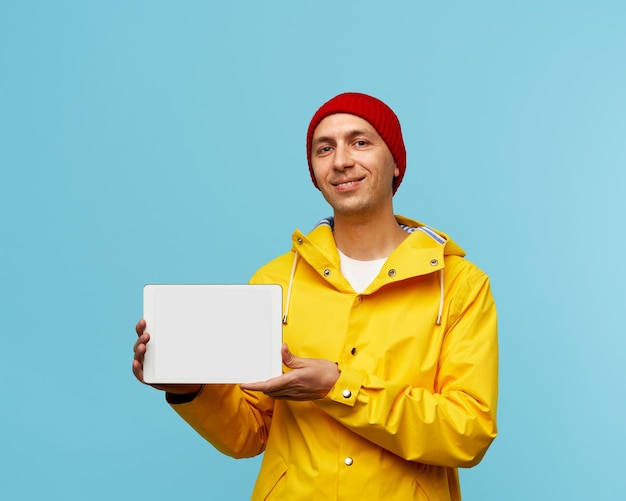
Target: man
(390, 340)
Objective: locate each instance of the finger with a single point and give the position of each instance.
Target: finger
(258, 386)
(268, 385)
(140, 344)
(290, 360)
(138, 370)
(140, 327)
(140, 352)
(286, 355)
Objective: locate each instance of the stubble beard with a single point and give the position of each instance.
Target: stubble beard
(354, 207)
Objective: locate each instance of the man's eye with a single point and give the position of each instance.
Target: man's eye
(324, 149)
(361, 142)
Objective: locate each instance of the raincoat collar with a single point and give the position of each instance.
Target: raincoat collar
(421, 253)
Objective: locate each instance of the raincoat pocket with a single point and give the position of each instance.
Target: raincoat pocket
(272, 472)
(430, 481)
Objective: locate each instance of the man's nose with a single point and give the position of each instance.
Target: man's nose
(343, 158)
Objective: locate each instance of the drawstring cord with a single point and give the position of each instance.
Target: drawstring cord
(441, 297)
(293, 272)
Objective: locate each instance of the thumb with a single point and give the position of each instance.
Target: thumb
(289, 359)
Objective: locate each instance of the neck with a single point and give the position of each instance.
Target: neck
(365, 239)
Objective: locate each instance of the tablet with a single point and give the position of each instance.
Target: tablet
(212, 333)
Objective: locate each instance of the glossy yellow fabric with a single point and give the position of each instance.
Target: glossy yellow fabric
(414, 400)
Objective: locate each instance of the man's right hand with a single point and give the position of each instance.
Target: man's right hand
(140, 352)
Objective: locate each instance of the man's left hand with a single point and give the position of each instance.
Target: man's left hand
(308, 379)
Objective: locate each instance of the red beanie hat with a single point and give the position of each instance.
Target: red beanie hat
(377, 113)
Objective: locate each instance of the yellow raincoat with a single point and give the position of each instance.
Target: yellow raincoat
(416, 397)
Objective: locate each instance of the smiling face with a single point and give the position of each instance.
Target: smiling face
(353, 166)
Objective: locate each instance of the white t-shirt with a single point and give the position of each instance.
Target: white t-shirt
(359, 273)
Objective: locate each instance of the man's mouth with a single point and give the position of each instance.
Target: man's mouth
(349, 183)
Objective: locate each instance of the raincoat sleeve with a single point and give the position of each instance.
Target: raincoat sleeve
(450, 426)
(235, 421)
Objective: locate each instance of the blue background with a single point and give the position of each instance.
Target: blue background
(155, 142)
